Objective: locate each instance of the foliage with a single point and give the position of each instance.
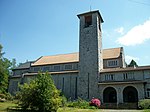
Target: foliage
(133, 64)
(6, 96)
(146, 110)
(64, 101)
(144, 104)
(4, 72)
(41, 94)
(79, 103)
(13, 64)
(95, 102)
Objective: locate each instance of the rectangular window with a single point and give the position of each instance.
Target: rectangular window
(112, 63)
(56, 68)
(36, 69)
(88, 20)
(148, 93)
(76, 82)
(109, 77)
(76, 66)
(68, 67)
(63, 85)
(128, 76)
(45, 69)
(15, 86)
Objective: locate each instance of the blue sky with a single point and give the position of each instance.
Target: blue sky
(33, 28)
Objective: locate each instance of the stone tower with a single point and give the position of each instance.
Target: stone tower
(90, 54)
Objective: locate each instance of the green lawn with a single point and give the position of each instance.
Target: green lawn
(147, 110)
(5, 105)
(77, 110)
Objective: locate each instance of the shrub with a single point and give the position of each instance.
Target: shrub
(2, 96)
(6, 96)
(95, 102)
(9, 97)
(144, 104)
(41, 94)
(79, 103)
(64, 101)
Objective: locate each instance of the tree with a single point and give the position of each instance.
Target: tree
(133, 64)
(4, 72)
(41, 94)
(13, 63)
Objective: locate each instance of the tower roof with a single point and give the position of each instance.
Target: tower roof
(90, 12)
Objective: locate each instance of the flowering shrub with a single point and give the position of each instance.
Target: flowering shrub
(95, 102)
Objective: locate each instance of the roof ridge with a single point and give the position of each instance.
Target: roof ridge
(112, 48)
(61, 54)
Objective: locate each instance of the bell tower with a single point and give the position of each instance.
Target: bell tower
(90, 54)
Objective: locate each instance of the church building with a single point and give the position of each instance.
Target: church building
(91, 72)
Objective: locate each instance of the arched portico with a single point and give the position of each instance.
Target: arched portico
(109, 95)
(130, 94)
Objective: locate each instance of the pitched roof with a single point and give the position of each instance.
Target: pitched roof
(55, 59)
(25, 65)
(111, 53)
(74, 57)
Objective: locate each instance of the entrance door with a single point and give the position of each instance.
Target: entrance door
(130, 94)
(110, 95)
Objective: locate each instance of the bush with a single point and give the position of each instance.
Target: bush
(2, 96)
(6, 96)
(64, 101)
(41, 94)
(79, 103)
(95, 102)
(144, 104)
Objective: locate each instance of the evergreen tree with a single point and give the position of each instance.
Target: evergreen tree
(4, 71)
(133, 64)
(41, 94)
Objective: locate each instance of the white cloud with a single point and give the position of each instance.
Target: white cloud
(129, 58)
(120, 30)
(137, 35)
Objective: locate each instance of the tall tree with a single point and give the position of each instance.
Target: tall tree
(4, 71)
(41, 94)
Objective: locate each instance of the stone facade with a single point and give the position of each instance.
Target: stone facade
(90, 54)
(93, 72)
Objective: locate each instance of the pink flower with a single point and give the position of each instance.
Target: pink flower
(95, 102)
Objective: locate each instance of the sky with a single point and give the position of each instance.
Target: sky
(30, 29)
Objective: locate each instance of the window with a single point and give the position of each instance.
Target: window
(109, 77)
(56, 68)
(36, 69)
(128, 76)
(112, 63)
(88, 20)
(68, 67)
(99, 24)
(45, 69)
(148, 93)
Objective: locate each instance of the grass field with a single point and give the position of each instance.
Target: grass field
(5, 105)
